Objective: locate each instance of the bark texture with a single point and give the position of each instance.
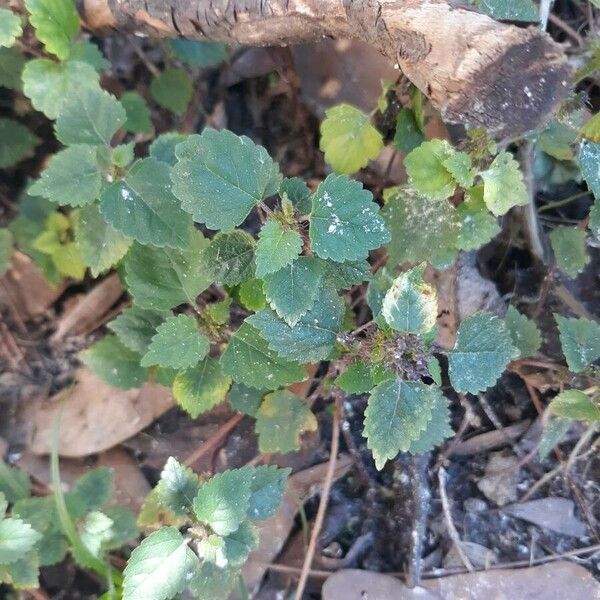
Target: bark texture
(475, 70)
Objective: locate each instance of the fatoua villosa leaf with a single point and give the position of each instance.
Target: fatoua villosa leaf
(72, 177)
(115, 363)
(574, 404)
(223, 501)
(356, 379)
(177, 344)
(292, 290)
(100, 245)
(348, 139)
(312, 337)
(397, 413)
(267, 485)
(219, 177)
(10, 27)
(136, 326)
(503, 185)
(199, 388)
(344, 221)
(250, 361)
(277, 247)
(172, 89)
(526, 337)
(280, 420)
(568, 244)
(160, 567)
(16, 142)
(142, 207)
(49, 85)
(177, 487)
(161, 278)
(229, 258)
(410, 305)
(90, 116)
(589, 156)
(482, 350)
(17, 538)
(511, 10)
(437, 430)
(56, 23)
(138, 113)
(478, 225)
(580, 341)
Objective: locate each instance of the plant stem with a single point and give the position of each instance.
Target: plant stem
(562, 202)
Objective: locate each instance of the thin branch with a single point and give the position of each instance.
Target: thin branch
(312, 546)
(450, 523)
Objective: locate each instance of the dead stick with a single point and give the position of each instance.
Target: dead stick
(312, 546)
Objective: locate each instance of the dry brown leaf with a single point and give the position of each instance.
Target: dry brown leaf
(96, 415)
(90, 309)
(25, 290)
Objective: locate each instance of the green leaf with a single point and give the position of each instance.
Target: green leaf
(591, 129)
(277, 247)
(200, 388)
(72, 177)
(251, 294)
(11, 67)
(177, 344)
(526, 337)
(244, 399)
(396, 415)
(435, 370)
(23, 573)
(230, 257)
(482, 350)
(86, 51)
(436, 221)
(96, 529)
(594, 221)
(16, 142)
(6, 248)
(198, 54)
(210, 581)
(141, 206)
(568, 245)
(554, 431)
(427, 169)
(511, 10)
(92, 116)
(557, 140)
(356, 379)
(17, 538)
(408, 135)
(580, 341)
(100, 245)
(348, 139)
(267, 487)
(574, 404)
(218, 312)
(89, 492)
(297, 192)
(292, 291)
(10, 27)
(280, 420)
(56, 23)
(3, 506)
(49, 84)
(115, 363)
(163, 147)
(138, 113)
(438, 428)
(377, 289)
(223, 501)
(178, 487)
(161, 278)
(344, 222)
(410, 305)
(136, 326)
(589, 157)
(345, 275)
(312, 337)
(478, 225)
(503, 185)
(231, 551)
(172, 89)
(220, 177)
(160, 567)
(14, 483)
(124, 527)
(249, 361)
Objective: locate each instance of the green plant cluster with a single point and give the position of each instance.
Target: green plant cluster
(242, 282)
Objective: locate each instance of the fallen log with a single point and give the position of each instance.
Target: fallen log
(475, 70)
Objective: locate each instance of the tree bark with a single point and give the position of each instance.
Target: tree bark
(475, 70)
